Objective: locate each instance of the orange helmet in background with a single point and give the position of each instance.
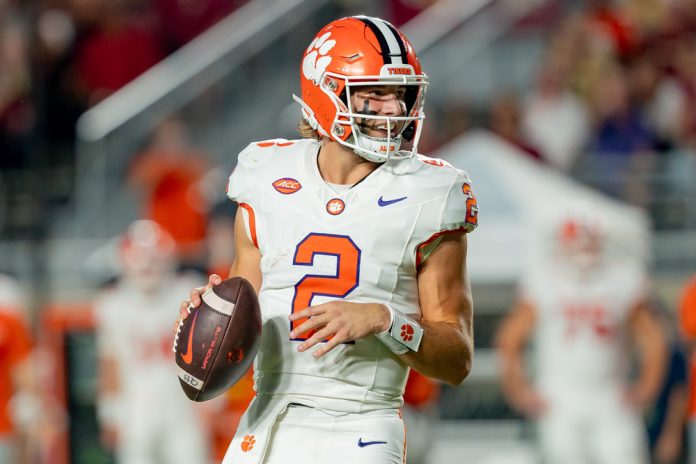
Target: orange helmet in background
(581, 237)
(148, 254)
(353, 52)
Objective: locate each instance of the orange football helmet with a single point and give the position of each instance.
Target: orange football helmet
(148, 254)
(361, 51)
(581, 237)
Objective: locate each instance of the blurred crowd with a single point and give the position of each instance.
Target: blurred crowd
(58, 58)
(612, 102)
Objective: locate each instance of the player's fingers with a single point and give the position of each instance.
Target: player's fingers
(195, 296)
(329, 345)
(310, 311)
(314, 339)
(300, 314)
(185, 309)
(214, 279)
(308, 325)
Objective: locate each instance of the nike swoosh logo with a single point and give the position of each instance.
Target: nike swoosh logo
(188, 356)
(382, 202)
(363, 444)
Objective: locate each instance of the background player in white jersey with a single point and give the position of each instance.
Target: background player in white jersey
(142, 413)
(583, 311)
(357, 250)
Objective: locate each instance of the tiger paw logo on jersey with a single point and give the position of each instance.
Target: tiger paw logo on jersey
(316, 61)
(406, 333)
(335, 206)
(248, 443)
(287, 185)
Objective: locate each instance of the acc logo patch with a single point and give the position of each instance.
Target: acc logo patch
(287, 185)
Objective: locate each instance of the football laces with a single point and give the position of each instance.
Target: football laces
(178, 329)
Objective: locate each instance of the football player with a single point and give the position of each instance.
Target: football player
(582, 308)
(357, 249)
(687, 312)
(142, 415)
(19, 398)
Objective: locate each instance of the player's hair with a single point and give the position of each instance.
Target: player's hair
(306, 130)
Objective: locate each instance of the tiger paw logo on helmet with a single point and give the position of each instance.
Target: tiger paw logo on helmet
(316, 60)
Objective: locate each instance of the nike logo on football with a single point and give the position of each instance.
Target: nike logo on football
(188, 356)
(382, 202)
(363, 444)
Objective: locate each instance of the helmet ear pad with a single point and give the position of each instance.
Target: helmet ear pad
(329, 96)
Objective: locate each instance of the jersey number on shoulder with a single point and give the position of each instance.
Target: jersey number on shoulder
(339, 285)
(471, 205)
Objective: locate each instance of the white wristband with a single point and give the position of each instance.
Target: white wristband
(403, 334)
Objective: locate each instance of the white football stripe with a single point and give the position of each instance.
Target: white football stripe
(392, 40)
(217, 303)
(189, 379)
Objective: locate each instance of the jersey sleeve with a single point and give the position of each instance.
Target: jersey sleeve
(239, 183)
(240, 188)
(458, 212)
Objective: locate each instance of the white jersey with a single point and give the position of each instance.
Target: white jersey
(361, 245)
(156, 422)
(135, 329)
(582, 326)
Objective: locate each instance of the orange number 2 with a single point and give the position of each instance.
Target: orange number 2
(339, 285)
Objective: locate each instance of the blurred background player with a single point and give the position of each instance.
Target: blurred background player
(143, 415)
(666, 419)
(688, 324)
(420, 409)
(19, 402)
(169, 176)
(582, 308)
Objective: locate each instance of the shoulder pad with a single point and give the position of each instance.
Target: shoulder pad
(433, 161)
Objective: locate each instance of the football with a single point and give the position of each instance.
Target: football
(216, 344)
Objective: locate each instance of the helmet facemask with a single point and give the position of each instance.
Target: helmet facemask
(406, 126)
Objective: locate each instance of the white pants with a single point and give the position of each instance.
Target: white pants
(294, 434)
(600, 430)
(175, 435)
(8, 450)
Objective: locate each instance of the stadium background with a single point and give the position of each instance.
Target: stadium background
(96, 91)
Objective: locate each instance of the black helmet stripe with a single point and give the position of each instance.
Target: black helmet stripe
(393, 48)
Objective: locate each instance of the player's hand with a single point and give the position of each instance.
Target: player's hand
(637, 398)
(669, 446)
(529, 402)
(194, 300)
(339, 322)
(109, 437)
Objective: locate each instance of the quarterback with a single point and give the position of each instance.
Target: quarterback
(357, 250)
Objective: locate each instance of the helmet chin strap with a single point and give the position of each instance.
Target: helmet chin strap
(367, 145)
